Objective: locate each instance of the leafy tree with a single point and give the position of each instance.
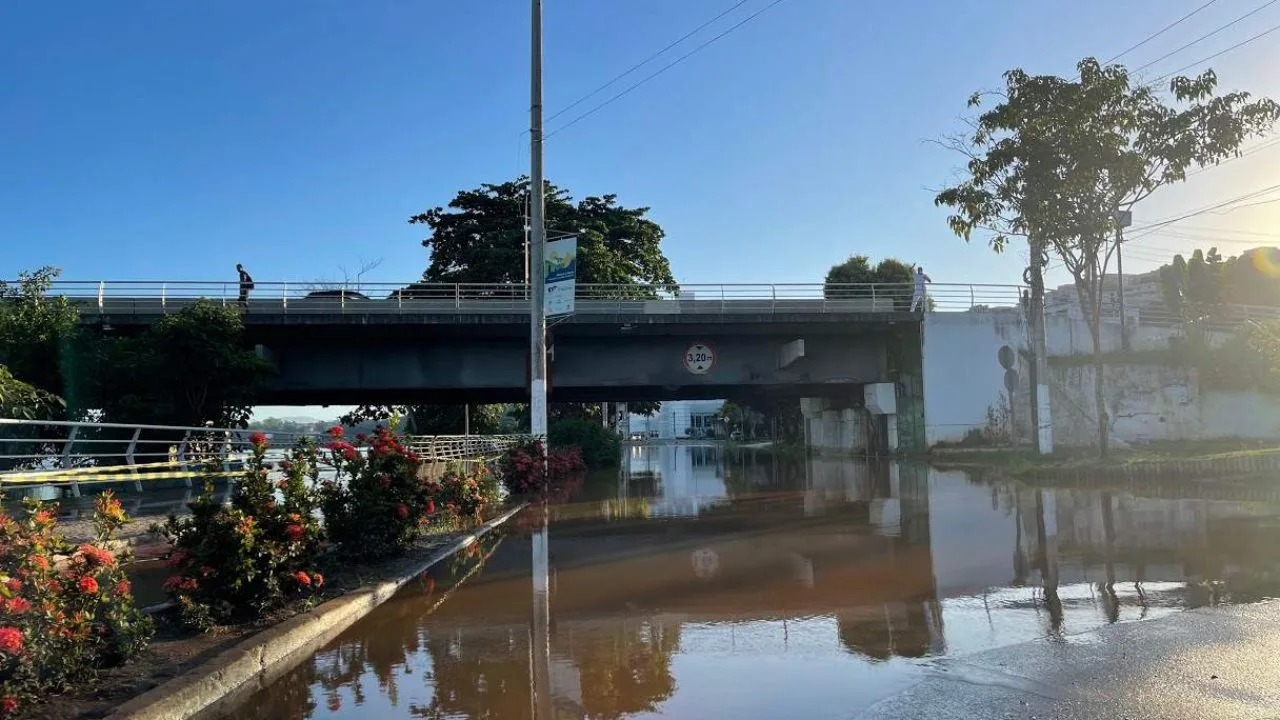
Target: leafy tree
(1056, 159)
(859, 270)
(33, 327)
(480, 236)
(434, 419)
(24, 401)
(187, 369)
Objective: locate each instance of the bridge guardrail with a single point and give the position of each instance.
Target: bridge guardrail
(158, 298)
(79, 453)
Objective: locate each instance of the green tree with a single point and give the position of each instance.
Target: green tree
(33, 328)
(24, 401)
(858, 269)
(1057, 157)
(188, 369)
(434, 419)
(480, 236)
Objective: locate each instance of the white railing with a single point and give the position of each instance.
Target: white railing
(79, 453)
(128, 297)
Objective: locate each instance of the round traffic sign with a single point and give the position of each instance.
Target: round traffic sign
(699, 358)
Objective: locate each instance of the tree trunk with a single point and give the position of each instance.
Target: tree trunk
(1090, 296)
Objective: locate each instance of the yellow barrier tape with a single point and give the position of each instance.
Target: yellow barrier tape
(117, 477)
(99, 470)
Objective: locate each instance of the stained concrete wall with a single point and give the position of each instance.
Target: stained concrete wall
(1154, 402)
(1069, 335)
(962, 373)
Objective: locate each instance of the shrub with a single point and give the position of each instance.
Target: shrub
(600, 446)
(463, 494)
(236, 563)
(375, 505)
(59, 625)
(522, 467)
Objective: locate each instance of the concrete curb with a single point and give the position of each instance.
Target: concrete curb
(253, 663)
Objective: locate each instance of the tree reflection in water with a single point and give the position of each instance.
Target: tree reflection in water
(624, 667)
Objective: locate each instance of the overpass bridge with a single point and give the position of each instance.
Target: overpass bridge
(423, 342)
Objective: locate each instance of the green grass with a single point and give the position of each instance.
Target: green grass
(1018, 460)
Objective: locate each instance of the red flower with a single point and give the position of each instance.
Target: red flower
(317, 579)
(176, 583)
(335, 704)
(177, 558)
(8, 703)
(350, 453)
(124, 587)
(258, 439)
(294, 532)
(10, 640)
(336, 432)
(14, 584)
(44, 517)
(402, 511)
(431, 507)
(88, 585)
(97, 556)
(302, 578)
(16, 606)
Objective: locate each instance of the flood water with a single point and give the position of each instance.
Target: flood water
(701, 583)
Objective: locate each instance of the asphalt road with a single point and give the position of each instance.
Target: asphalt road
(1216, 664)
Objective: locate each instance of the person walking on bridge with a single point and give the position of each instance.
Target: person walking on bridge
(246, 284)
(918, 296)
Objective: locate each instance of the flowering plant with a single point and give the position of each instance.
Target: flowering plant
(235, 563)
(65, 610)
(527, 468)
(375, 503)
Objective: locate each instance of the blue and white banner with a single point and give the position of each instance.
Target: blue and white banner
(561, 267)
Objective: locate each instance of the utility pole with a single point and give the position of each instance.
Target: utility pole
(1124, 218)
(537, 240)
(1041, 419)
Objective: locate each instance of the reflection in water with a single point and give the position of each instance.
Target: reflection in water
(701, 582)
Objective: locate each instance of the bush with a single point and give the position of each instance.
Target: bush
(522, 467)
(376, 505)
(59, 625)
(599, 445)
(465, 495)
(236, 563)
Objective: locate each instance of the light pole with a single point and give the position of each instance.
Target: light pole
(1124, 218)
(537, 241)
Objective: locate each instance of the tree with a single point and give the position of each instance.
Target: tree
(188, 369)
(33, 328)
(480, 236)
(434, 419)
(1057, 159)
(24, 401)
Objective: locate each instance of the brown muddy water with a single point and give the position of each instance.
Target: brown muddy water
(702, 583)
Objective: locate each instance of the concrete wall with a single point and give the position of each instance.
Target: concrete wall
(1155, 402)
(962, 374)
(1069, 335)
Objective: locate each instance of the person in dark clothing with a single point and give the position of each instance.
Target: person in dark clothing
(246, 284)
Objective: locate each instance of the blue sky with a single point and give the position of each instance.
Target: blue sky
(170, 140)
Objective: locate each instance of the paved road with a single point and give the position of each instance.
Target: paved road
(1212, 664)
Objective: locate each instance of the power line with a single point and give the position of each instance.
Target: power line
(1240, 44)
(1208, 35)
(667, 67)
(1161, 31)
(1147, 229)
(1229, 230)
(646, 61)
(1256, 148)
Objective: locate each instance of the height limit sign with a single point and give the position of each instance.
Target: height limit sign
(699, 358)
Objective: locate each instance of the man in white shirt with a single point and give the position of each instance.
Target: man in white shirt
(918, 294)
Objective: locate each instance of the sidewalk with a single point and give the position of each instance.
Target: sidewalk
(1214, 664)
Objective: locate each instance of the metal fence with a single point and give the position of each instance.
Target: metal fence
(79, 453)
(158, 298)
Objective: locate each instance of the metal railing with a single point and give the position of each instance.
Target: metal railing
(78, 453)
(129, 297)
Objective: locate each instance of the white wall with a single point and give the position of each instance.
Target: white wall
(962, 375)
(1156, 402)
(1069, 335)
